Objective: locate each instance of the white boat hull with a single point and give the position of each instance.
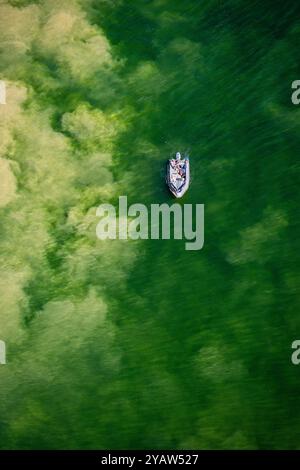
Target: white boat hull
(178, 184)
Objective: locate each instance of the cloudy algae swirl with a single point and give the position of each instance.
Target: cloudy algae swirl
(141, 344)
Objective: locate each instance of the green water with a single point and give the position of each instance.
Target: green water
(138, 345)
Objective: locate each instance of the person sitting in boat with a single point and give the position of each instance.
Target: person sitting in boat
(176, 162)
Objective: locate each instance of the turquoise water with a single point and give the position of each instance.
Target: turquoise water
(144, 344)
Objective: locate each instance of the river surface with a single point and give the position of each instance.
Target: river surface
(195, 348)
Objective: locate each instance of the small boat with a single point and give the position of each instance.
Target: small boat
(178, 175)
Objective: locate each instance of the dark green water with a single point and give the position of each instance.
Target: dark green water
(196, 345)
